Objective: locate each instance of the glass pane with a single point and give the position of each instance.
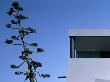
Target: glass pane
(93, 54)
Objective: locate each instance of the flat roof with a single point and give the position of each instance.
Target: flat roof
(89, 32)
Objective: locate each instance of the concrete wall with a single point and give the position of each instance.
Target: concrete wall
(89, 70)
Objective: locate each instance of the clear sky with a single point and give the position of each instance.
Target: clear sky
(53, 19)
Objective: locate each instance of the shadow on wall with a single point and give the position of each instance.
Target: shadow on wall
(101, 80)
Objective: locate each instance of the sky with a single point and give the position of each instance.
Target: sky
(52, 19)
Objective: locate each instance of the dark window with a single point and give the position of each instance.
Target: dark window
(104, 54)
(93, 54)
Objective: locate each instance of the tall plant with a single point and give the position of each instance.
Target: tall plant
(15, 11)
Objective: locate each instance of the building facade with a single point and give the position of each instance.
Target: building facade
(89, 55)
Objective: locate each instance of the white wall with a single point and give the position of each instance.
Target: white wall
(89, 32)
(88, 70)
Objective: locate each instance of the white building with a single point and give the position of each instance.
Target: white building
(89, 55)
